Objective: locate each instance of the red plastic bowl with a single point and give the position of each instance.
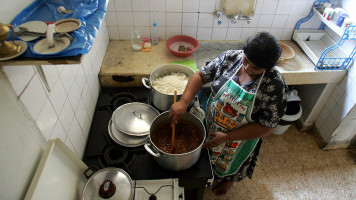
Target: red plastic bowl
(175, 41)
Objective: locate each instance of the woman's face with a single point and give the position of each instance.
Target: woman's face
(250, 68)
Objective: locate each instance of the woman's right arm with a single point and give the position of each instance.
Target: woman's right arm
(193, 86)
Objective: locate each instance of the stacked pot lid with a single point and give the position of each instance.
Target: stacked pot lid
(130, 124)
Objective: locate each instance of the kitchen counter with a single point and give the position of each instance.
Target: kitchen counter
(124, 67)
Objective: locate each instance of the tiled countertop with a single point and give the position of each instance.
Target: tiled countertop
(123, 67)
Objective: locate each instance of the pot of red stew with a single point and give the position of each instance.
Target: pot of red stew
(189, 139)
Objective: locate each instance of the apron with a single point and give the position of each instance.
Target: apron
(230, 109)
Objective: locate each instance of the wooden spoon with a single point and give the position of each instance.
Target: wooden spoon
(174, 126)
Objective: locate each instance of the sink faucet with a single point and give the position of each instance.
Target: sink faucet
(234, 18)
(218, 15)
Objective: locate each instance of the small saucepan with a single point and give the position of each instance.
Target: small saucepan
(107, 183)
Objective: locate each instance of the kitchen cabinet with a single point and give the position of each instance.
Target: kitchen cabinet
(325, 53)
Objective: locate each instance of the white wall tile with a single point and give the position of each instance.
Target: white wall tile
(219, 34)
(157, 5)
(204, 33)
(59, 132)
(111, 19)
(287, 33)
(174, 19)
(299, 7)
(77, 138)
(253, 23)
(233, 34)
(145, 31)
(123, 5)
(238, 24)
(263, 30)
(66, 116)
(47, 119)
(140, 5)
(265, 21)
(284, 7)
(124, 19)
(172, 31)
(125, 32)
(87, 97)
(81, 114)
(205, 20)
(279, 21)
(190, 19)
(269, 6)
(114, 33)
(19, 76)
(74, 95)
(70, 145)
(141, 19)
(51, 74)
(159, 17)
(292, 21)
(174, 5)
(276, 32)
(207, 6)
(259, 4)
(67, 78)
(190, 5)
(190, 31)
(58, 97)
(247, 32)
(34, 97)
(224, 21)
(111, 6)
(80, 79)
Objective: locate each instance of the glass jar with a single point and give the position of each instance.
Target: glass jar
(136, 40)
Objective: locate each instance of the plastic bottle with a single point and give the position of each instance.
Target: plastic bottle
(154, 33)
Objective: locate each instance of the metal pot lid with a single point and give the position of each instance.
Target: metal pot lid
(125, 139)
(108, 183)
(134, 118)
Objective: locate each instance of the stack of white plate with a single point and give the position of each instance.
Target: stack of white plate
(130, 124)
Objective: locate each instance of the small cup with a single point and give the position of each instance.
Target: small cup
(328, 13)
(341, 19)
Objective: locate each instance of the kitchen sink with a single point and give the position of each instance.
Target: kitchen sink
(208, 51)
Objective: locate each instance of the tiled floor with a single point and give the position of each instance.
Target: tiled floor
(292, 166)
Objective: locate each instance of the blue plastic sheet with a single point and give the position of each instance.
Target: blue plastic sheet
(90, 12)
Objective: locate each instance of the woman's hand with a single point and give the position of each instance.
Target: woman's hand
(218, 138)
(177, 111)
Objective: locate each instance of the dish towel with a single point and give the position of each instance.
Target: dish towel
(189, 63)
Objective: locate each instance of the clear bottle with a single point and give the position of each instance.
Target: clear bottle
(136, 40)
(154, 33)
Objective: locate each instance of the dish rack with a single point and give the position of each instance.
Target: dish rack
(324, 52)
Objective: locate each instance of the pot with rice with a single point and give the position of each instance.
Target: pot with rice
(163, 81)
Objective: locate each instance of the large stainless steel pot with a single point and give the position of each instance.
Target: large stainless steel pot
(164, 101)
(175, 162)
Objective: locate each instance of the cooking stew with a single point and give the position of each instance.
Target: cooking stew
(187, 137)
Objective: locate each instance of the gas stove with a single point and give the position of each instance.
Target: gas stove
(103, 152)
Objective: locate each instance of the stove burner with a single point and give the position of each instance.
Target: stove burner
(121, 99)
(114, 155)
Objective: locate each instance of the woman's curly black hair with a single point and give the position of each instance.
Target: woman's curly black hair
(263, 50)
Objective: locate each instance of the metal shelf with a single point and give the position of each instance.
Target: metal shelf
(325, 53)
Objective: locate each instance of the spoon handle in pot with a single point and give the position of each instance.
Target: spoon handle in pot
(174, 126)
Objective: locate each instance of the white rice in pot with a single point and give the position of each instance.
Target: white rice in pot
(170, 82)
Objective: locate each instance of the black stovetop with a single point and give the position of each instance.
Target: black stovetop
(103, 152)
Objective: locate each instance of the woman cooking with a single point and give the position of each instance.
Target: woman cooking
(247, 100)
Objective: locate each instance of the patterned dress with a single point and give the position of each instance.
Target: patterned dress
(270, 103)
